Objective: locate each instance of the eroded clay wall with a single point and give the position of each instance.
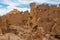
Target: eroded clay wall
(42, 21)
(47, 17)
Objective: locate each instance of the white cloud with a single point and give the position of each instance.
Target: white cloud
(3, 11)
(12, 5)
(18, 2)
(21, 9)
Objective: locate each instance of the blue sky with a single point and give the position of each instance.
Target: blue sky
(22, 5)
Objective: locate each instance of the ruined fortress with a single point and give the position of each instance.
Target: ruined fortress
(41, 23)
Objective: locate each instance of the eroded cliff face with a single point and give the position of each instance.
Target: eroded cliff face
(41, 23)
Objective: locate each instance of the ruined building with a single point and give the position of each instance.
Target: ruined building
(41, 23)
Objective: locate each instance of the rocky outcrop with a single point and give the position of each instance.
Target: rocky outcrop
(41, 23)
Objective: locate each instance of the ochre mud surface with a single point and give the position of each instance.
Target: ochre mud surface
(41, 23)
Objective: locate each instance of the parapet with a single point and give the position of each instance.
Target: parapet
(32, 5)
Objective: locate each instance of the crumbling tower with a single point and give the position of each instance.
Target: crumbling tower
(33, 13)
(32, 10)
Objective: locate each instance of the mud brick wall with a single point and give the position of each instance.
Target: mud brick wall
(41, 23)
(46, 16)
